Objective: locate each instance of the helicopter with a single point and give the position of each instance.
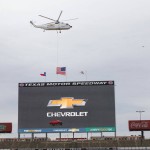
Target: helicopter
(55, 25)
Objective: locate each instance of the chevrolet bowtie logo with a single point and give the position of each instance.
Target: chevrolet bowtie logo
(67, 102)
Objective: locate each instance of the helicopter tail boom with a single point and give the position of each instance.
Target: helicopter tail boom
(33, 24)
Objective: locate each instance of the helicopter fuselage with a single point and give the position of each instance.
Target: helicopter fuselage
(53, 26)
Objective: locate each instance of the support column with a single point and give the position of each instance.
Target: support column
(18, 135)
(46, 136)
(73, 136)
(115, 134)
(142, 137)
(101, 134)
(32, 134)
(60, 136)
(87, 136)
(142, 134)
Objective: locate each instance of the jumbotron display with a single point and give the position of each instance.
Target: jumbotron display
(85, 106)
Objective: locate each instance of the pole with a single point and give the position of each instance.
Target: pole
(140, 112)
(46, 136)
(18, 135)
(60, 136)
(87, 136)
(32, 134)
(73, 136)
(142, 132)
(85, 75)
(101, 134)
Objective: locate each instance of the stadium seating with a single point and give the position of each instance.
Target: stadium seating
(44, 145)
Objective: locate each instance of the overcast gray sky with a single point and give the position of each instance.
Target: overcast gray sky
(110, 40)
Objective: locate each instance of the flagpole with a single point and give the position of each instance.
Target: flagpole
(57, 48)
(57, 53)
(43, 75)
(86, 75)
(66, 75)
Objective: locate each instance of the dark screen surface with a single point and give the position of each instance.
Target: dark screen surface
(91, 105)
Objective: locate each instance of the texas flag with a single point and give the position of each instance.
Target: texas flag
(43, 74)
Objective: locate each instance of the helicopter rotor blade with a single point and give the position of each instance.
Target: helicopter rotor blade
(59, 16)
(70, 19)
(47, 17)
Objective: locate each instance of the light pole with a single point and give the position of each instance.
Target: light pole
(140, 112)
(142, 132)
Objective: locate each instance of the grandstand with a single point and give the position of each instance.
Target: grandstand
(42, 143)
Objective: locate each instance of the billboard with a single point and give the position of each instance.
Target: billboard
(139, 125)
(85, 106)
(5, 127)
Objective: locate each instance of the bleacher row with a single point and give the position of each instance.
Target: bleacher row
(71, 144)
(23, 139)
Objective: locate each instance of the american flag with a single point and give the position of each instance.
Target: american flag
(61, 70)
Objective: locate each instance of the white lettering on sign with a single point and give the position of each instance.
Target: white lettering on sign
(67, 114)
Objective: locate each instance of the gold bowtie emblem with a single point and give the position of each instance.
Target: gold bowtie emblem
(67, 102)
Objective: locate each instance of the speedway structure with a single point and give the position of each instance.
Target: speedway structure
(81, 107)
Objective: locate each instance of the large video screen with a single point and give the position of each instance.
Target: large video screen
(85, 106)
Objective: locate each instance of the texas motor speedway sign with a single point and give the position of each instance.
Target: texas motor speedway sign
(85, 106)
